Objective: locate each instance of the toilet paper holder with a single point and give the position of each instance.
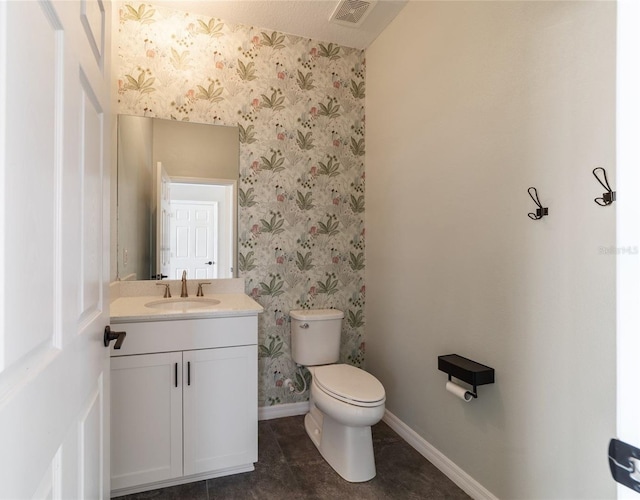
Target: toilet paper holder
(467, 370)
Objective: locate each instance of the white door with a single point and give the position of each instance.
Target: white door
(54, 244)
(163, 222)
(146, 428)
(628, 232)
(220, 412)
(194, 239)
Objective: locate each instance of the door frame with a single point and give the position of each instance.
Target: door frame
(628, 225)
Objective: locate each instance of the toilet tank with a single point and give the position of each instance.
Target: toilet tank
(315, 336)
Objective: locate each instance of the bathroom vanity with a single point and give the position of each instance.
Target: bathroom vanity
(183, 387)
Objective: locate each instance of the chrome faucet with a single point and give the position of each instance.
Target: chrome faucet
(184, 293)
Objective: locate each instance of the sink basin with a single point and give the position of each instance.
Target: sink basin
(182, 304)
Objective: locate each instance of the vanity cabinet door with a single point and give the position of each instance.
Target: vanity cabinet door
(220, 408)
(146, 418)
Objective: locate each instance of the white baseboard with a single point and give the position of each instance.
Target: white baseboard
(469, 485)
(286, 410)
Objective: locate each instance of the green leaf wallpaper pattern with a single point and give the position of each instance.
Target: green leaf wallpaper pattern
(299, 108)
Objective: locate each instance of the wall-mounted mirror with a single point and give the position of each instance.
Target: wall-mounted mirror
(177, 199)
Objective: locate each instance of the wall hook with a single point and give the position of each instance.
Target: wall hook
(540, 211)
(610, 196)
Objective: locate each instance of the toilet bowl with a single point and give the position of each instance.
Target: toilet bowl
(345, 401)
(348, 394)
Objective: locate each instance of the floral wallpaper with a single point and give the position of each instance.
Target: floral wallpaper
(299, 106)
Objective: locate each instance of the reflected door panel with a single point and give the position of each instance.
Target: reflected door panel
(194, 240)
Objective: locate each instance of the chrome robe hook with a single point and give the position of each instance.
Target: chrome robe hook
(540, 211)
(610, 196)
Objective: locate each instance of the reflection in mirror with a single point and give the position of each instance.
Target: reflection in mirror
(177, 199)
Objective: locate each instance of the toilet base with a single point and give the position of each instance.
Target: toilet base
(348, 450)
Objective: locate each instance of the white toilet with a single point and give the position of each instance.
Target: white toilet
(345, 401)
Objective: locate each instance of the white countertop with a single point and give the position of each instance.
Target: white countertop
(130, 309)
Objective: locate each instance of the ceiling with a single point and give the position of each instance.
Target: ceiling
(305, 18)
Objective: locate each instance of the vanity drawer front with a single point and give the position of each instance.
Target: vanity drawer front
(180, 335)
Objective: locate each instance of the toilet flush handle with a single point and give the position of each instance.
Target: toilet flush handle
(304, 325)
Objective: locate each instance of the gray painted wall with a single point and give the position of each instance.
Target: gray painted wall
(135, 197)
(196, 149)
(469, 104)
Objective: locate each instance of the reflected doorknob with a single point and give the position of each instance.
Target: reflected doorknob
(210, 263)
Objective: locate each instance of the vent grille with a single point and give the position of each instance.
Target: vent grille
(352, 12)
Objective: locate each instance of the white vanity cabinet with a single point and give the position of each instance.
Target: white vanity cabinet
(220, 408)
(146, 419)
(183, 402)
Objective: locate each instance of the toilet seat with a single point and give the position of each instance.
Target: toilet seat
(349, 384)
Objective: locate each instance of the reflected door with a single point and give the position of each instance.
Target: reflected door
(163, 229)
(194, 240)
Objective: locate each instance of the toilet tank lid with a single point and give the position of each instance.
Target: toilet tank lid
(316, 314)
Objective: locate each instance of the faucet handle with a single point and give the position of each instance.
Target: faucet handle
(167, 290)
(199, 293)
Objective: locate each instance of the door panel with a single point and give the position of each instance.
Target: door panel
(54, 377)
(194, 240)
(91, 445)
(31, 225)
(92, 131)
(93, 21)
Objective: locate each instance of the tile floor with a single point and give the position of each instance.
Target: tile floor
(290, 467)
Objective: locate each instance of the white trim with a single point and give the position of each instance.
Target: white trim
(469, 485)
(182, 480)
(627, 232)
(3, 165)
(279, 411)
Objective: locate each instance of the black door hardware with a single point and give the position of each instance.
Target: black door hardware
(158, 276)
(624, 462)
(117, 336)
(210, 263)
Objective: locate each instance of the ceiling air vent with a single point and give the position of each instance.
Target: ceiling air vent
(352, 12)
